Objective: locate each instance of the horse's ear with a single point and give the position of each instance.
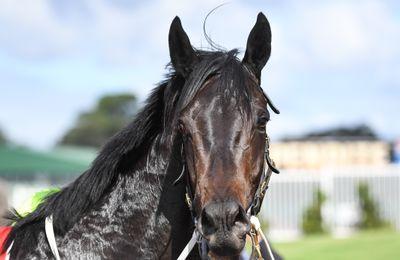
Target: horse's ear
(258, 47)
(181, 51)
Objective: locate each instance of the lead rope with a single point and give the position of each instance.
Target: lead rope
(255, 234)
(48, 227)
(189, 247)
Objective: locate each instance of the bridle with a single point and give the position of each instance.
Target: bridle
(255, 206)
(252, 212)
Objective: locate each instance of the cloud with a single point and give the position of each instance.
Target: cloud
(30, 30)
(336, 34)
(332, 61)
(342, 34)
(111, 32)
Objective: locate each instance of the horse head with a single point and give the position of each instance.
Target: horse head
(222, 122)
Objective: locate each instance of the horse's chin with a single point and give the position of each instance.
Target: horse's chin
(226, 244)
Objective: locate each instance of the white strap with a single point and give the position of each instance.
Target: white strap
(256, 223)
(188, 248)
(48, 227)
(8, 251)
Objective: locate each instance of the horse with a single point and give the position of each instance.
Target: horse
(199, 140)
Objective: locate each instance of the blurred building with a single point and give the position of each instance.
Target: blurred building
(24, 171)
(19, 164)
(334, 148)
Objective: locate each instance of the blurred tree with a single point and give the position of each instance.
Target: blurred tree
(93, 128)
(312, 217)
(392, 152)
(370, 217)
(3, 139)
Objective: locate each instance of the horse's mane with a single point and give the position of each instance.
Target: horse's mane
(124, 149)
(68, 205)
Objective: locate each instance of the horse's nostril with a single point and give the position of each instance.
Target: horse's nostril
(207, 223)
(223, 216)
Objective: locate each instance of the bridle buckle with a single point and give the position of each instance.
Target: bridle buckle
(188, 200)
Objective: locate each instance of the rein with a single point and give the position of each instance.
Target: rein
(255, 232)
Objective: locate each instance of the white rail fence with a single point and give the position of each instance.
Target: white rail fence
(292, 192)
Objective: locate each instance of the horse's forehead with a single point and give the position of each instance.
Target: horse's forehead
(216, 109)
(218, 103)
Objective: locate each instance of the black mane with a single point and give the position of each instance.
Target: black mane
(68, 205)
(121, 153)
(228, 68)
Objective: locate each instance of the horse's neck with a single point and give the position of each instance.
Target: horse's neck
(146, 211)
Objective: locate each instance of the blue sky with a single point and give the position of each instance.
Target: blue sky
(333, 62)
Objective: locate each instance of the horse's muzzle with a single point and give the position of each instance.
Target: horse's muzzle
(224, 225)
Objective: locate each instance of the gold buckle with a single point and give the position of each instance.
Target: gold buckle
(262, 188)
(188, 200)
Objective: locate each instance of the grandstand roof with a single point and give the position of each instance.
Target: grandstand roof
(20, 162)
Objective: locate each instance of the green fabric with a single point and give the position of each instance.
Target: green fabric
(38, 197)
(35, 201)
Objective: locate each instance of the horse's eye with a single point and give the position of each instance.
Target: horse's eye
(262, 121)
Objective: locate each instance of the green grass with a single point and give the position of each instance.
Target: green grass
(377, 245)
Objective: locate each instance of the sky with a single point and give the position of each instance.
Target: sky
(333, 62)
